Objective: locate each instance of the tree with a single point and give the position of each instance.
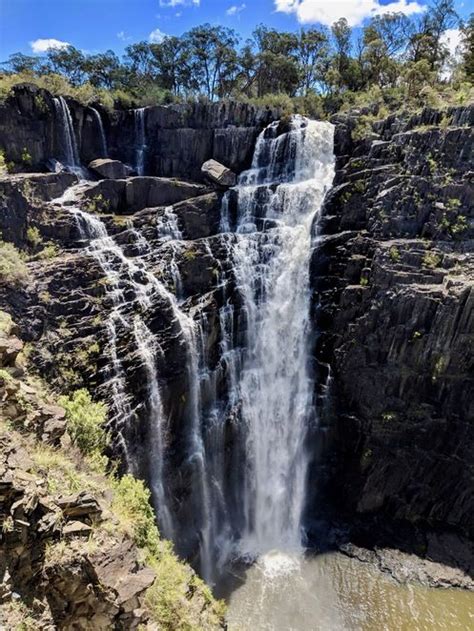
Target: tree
(344, 72)
(212, 58)
(104, 69)
(18, 62)
(312, 55)
(276, 61)
(383, 41)
(140, 63)
(69, 62)
(426, 40)
(467, 32)
(172, 62)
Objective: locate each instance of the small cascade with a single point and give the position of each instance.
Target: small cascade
(140, 146)
(100, 126)
(67, 133)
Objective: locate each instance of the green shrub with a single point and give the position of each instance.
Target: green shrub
(3, 162)
(363, 127)
(13, 268)
(431, 260)
(49, 251)
(132, 504)
(394, 254)
(85, 422)
(33, 237)
(459, 226)
(26, 157)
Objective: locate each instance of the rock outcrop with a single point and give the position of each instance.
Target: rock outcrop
(392, 279)
(218, 173)
(109, 169)
(178, 138)
(65, 555)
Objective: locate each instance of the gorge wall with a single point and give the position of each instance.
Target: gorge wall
(139, 301)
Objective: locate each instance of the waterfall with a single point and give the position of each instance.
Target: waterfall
(246, 415)
(100, 126)
(139, 118)
(256, 492)
(68, 136)
(131, 288)
(278, 202)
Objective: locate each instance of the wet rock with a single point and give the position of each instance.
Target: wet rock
(218, 173)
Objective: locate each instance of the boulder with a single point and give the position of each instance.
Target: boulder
(218, 173)
(109, 169)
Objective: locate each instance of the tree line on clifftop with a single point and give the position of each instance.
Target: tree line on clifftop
(393, 60)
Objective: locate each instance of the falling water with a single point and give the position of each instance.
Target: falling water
(100, 125)
(279, 200)
(132, 288)
(68, 136)
(265, 351)
(140, 147)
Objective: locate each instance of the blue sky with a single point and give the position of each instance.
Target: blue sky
(30, 26)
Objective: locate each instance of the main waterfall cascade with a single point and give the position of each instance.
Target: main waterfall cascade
(269, 383)
(247, 492)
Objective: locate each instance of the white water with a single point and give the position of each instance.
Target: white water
(100, 125)
(68, 136)
(140, 145)
(272, 270)
(254, 494)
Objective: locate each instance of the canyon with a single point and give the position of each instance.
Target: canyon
(284, 341)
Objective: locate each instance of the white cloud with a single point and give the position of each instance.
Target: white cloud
(236, 9)
(123, 36)
(156, 36)
(355, 11)
(452, 39)
(43, 45)
(177, 3)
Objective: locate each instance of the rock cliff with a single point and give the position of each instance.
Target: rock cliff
(392, 276)
(394, 297)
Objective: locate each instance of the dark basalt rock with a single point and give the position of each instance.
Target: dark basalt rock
(394, 303)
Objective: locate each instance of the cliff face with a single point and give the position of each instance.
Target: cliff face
(392, 278)
(394, 304)
(180, 137)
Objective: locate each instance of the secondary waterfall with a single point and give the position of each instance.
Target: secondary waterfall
(100, 126)
(68, 136)
(139, 117)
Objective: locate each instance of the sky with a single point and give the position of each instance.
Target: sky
(32, 26)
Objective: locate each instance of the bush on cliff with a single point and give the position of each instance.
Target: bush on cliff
(13, 268)
(86, 421)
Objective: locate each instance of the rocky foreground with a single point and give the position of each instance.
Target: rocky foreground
(393, 279)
